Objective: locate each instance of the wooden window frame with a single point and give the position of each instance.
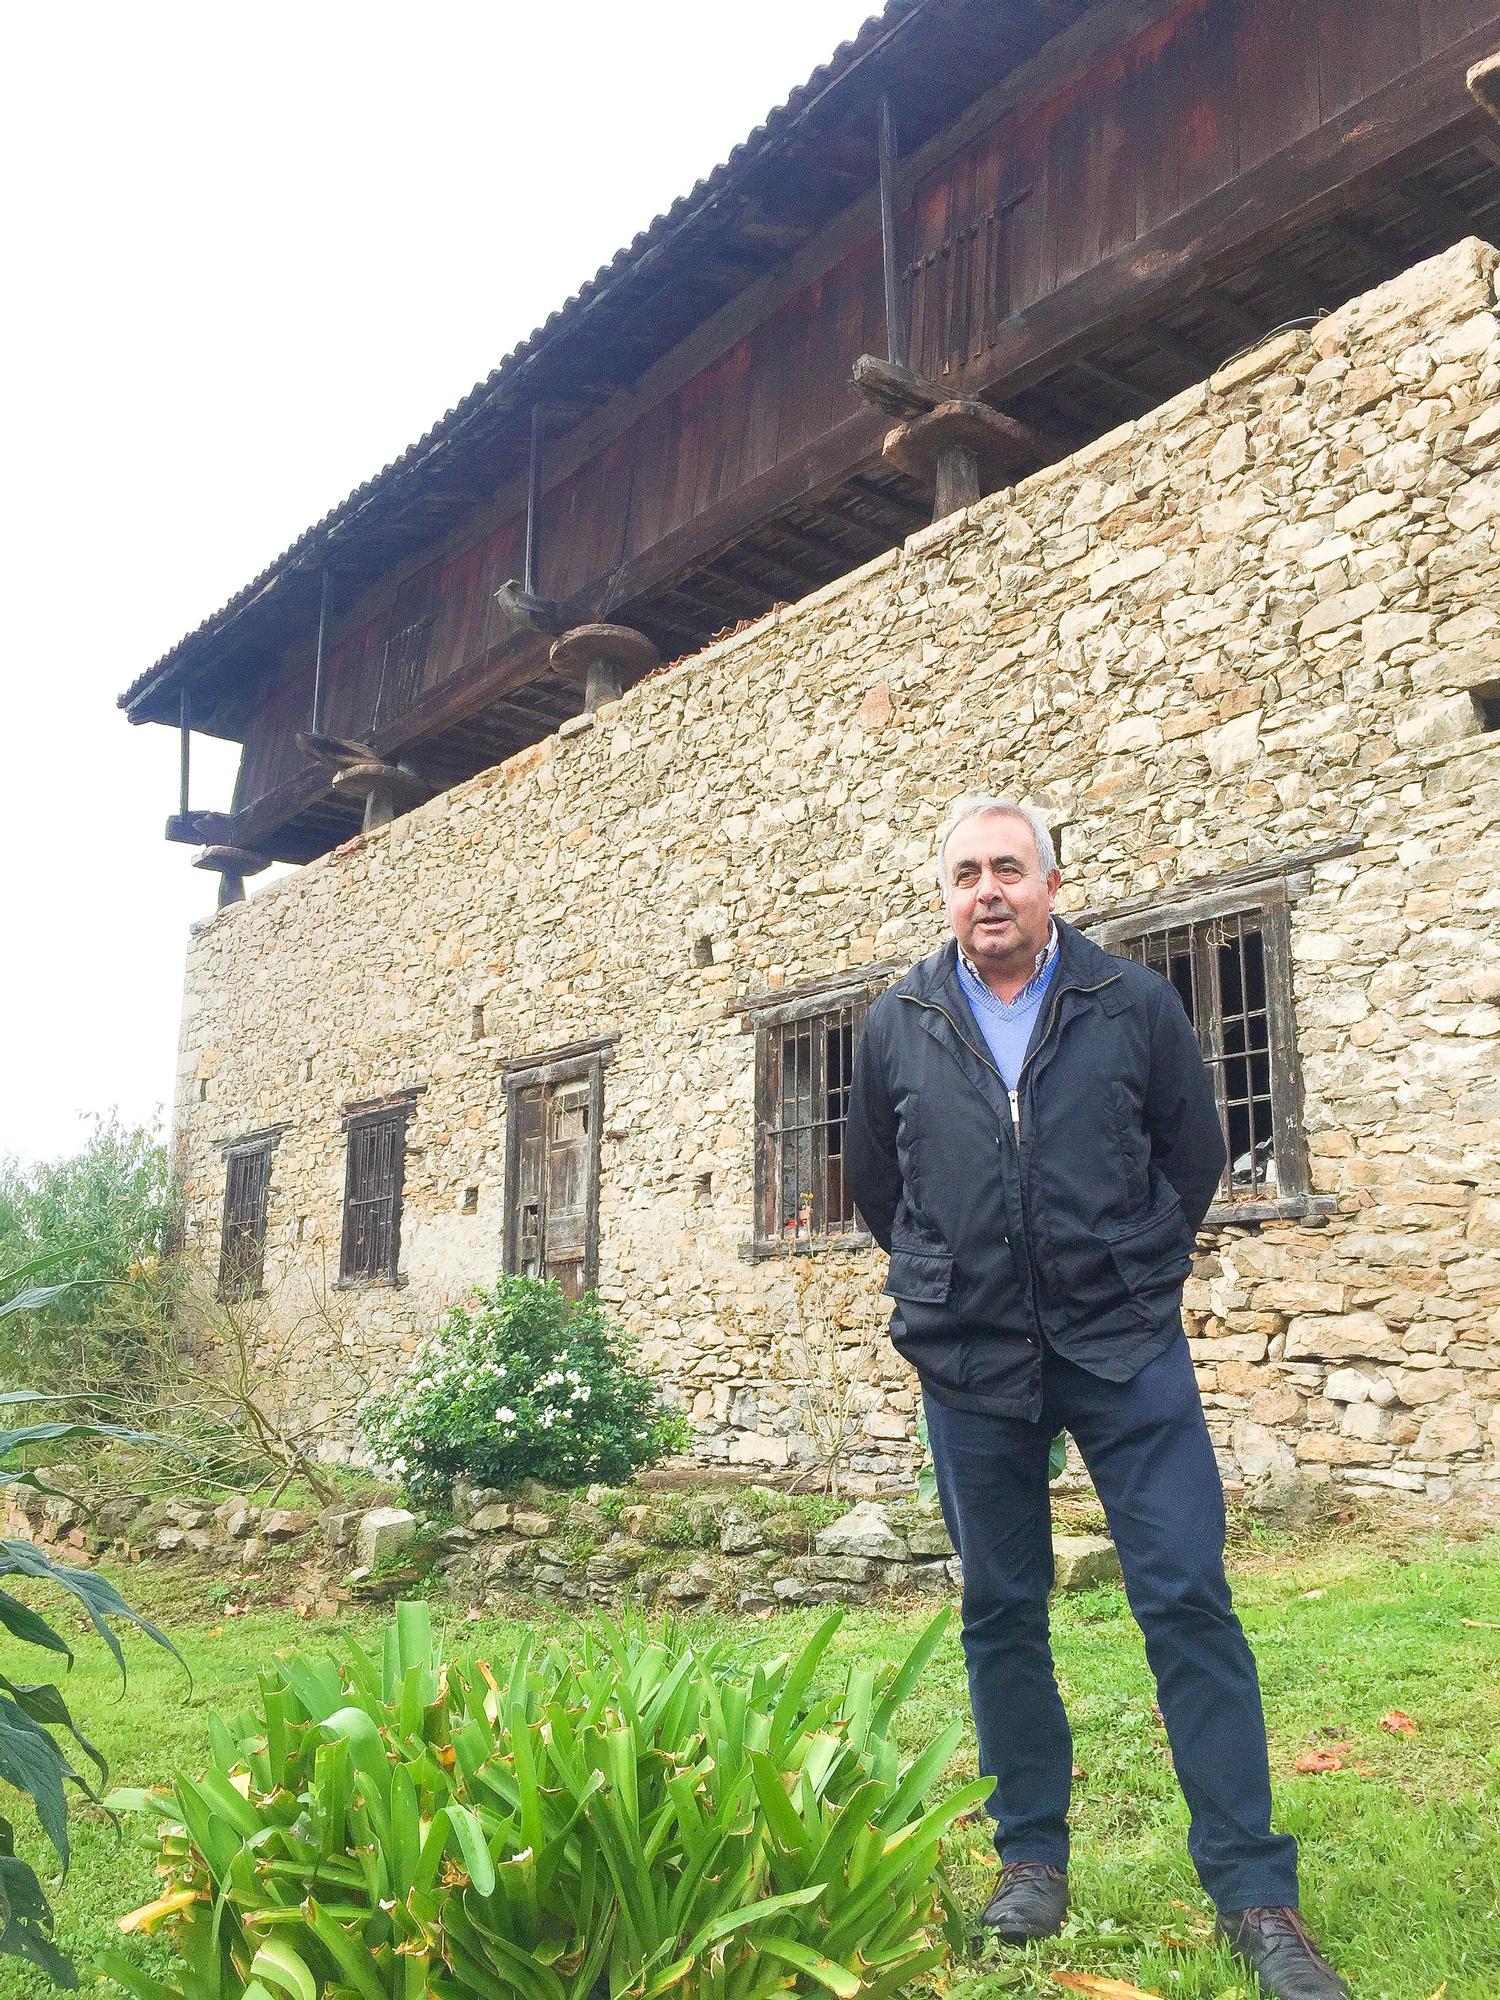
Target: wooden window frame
(766, 1015)
(575, 1062)
(242, 1276)
(395, 1112)
(1266, 891)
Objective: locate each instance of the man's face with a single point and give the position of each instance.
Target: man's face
(999, 901)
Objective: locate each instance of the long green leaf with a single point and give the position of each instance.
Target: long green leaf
(838, 1979)
(471, 1844)
(278, 1965)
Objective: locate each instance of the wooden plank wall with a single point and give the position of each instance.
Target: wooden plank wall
(1211, 89)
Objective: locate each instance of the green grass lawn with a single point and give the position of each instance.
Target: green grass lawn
(1401, 1848)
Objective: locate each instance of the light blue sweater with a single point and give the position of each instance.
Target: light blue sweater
(1007, 1024)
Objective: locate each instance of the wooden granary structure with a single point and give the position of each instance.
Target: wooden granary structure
(984, 233)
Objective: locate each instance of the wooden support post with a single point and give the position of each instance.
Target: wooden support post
(895, 325)
(231, 865)
(202, 828)
(387, 789)
(532, 560)
(185, 759)
(601, 656)
(963, 450)
(317, 697)
(893, 387)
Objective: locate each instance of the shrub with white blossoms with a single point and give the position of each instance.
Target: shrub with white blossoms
(522, 1384)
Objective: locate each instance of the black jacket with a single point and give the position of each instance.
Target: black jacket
(1076, 1230)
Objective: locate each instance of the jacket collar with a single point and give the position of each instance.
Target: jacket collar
(1080, 962)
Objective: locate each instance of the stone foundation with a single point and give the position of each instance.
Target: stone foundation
(1257, 622)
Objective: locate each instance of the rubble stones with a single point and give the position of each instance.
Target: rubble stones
(739, 1537)
(338, 1525)
(863, 1531)
(236, 1518)
(535, 1526)
(285, 1524)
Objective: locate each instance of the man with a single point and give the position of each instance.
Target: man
(1033, 1138)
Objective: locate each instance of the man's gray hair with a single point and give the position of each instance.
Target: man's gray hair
(977, 806)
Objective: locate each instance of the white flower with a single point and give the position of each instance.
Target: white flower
(505, 1414)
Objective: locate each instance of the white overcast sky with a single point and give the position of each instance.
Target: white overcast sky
(251, 251)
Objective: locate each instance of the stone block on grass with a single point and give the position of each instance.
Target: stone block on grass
(1081, 1561)
(382, 1533)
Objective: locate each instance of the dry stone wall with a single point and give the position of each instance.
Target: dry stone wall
(1259, 620)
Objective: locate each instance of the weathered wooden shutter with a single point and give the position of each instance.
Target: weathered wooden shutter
(243, 1238)
(529, 1198)
(372, 1194)
(569, 1158)
(552, 1200)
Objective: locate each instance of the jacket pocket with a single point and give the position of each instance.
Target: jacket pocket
(1156, 1256)
(922, 1277)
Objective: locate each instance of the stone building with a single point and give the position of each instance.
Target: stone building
(589, 1010)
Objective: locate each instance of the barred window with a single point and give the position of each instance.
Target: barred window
(804, 1062)
(242, 1238)
(374, 1173)
(1229, 957)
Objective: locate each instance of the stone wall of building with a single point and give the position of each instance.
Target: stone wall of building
(1260, 620)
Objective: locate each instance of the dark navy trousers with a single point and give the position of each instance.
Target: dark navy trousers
(1147, 1449)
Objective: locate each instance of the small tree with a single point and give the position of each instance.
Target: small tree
(227, 1375)
(835, 1387)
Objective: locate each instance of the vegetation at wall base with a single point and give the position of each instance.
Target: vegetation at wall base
(31, 1758)
(632, 1814)
(524, 1383)
(1401, 1846)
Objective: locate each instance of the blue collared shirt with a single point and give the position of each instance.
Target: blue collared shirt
(1007, 1024)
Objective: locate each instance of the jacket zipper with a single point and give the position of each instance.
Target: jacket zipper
(1013, 1098)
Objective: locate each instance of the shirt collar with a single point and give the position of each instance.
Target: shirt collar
(1044, 959)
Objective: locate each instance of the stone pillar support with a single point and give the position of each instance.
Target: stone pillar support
(601, 656)
(231, 865)
(385, 788)
(962, 450)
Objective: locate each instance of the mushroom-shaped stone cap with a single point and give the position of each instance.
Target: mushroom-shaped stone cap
(362, 779)
(618, 646)
(231, 861)
(1002, 445)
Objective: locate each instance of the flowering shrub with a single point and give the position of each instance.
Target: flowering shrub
(522, 1384)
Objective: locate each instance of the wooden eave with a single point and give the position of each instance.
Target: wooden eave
(807, 163)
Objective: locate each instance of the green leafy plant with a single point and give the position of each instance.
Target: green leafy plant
(525, 1383)
(626, 1816)
(31, 1758)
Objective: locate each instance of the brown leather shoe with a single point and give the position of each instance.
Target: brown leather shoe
(1030, 1902)
(1277, 1948)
